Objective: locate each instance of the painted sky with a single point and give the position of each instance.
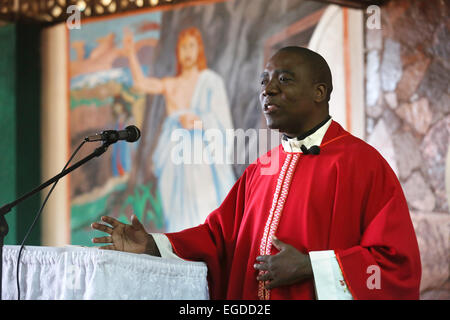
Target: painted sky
(142, 25)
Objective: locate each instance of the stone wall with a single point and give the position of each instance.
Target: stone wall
(408, 121)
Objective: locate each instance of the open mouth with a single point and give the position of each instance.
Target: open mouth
(270, 108)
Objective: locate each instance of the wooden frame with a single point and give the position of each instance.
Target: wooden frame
(50, 12)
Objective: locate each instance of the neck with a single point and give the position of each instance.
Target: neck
(189, 71)
(303, 134)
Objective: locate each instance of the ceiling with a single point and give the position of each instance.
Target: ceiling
(55, 11)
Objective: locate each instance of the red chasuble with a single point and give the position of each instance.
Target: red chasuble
(345, 199)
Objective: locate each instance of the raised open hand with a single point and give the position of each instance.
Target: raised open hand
(123, 237)
(128, 42)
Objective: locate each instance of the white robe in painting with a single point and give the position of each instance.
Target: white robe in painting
(190, 190)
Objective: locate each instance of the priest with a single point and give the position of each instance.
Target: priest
(331, 223)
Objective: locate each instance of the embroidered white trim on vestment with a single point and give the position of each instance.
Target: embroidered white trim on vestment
(279, 198)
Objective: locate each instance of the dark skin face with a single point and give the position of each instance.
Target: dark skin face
(291, 101)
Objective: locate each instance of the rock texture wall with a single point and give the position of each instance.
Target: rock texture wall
(408, 120)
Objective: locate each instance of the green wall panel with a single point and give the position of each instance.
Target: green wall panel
(8, 125)
(20, 122)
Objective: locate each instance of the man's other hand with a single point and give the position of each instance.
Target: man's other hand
(287, 267)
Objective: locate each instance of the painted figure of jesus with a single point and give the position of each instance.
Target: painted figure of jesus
(195, 95)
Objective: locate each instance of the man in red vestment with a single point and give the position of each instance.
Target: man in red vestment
(331, 223)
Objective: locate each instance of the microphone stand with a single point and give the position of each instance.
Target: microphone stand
(7, 208)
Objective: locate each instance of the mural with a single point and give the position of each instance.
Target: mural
(190, 69)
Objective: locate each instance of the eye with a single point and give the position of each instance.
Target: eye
(263, 81)
(284, 79)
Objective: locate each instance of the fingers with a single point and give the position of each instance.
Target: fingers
(280, 245)
(267, 277)
(263, 268)
(264, 259)
(114, 222)
(101, 227)
(264, 276)
(107, 239)
(263, 264)
(136, 223)
(272, 284)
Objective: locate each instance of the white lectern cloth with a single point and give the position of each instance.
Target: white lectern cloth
(89, 273)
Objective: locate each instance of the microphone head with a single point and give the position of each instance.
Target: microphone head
(133, 133)
(314, 150)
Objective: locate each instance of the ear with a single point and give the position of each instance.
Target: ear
(320, 92)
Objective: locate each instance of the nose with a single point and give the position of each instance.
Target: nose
(270, 88)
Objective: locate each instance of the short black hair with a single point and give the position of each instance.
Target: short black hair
(317, 66)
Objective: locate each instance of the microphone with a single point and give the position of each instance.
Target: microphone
(315, 150)
(130, 134)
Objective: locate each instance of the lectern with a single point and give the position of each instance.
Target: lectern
(75, 273)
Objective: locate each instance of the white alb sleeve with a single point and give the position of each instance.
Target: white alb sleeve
(328, 279)
(164, 246)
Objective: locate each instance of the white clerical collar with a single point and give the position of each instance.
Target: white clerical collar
(314, 139)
